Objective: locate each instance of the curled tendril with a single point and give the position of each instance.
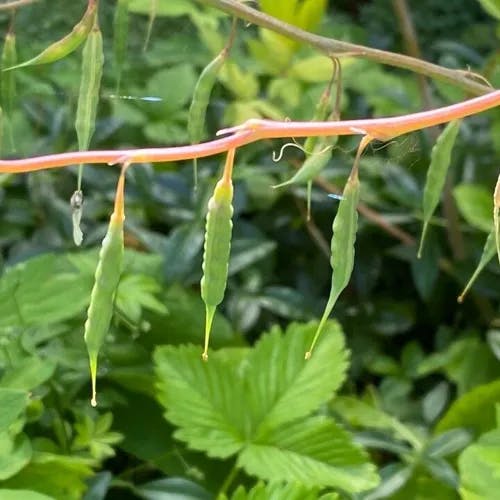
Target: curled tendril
(298, 146)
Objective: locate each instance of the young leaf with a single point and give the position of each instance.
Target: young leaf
(436, 174)
(314, 452)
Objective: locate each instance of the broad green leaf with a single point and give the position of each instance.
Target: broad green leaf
(205, 400)
(185, 322)
(15, 453)
(42, 290)
(317, 68)
(175, 85)
(138, 292)
(172, 488)
(279, 491)
(492, 7)
(222, 404)
(281, 385)
(314, 452)
(12, 404)
(360, 414)
(475, 204)
(59, 476)
(28, 374)
(22, 495)
(479, 467)
(305, 14)
(436, 174)
(474, 410)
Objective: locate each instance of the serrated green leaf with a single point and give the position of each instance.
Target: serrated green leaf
(42, 290)
(202, 399)
(314, 452)
(279, 491)
(479, 466)
(436, 174)
(289, 387)
(236, 401)
(474, 410)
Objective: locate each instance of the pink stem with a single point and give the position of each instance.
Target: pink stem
(254, 130)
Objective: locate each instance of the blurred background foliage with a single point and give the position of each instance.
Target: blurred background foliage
(415, 354)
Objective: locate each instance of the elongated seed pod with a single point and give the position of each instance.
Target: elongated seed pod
(120, 35)
(217, 246)
(107, 277)
(199, 103)
(90, 85)
(8, 85)
(436, 174)
(496, 215)
(489, 251)
(344, 227)
(86, 111)
(67, 44)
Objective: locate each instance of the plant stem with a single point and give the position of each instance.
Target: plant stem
(255, 130)
(228, 481)
(336, 48)
(15, 4)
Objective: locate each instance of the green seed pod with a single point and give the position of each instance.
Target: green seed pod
(107, 277)
(489, 251)
(436, 175)
(344, 227)
(88, 101)
(66, 45)
(120, 34)
(90, 85)
(8, 85)
(199, 103)
(217, 246)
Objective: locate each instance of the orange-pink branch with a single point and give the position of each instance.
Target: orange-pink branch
(254, 130)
